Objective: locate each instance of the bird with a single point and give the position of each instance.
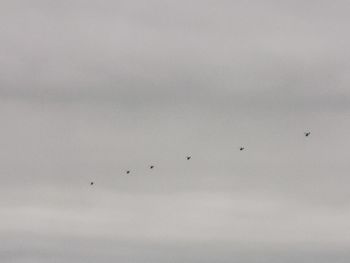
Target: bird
(188, 157)
(307, 134)
(241, 148)
(151, 167)
(92, 183)
(128, 171)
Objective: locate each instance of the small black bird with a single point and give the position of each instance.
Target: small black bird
(151, 167)
(188, 157)
(241, 149)
(92, 183)
(307, 134)
(127, 172)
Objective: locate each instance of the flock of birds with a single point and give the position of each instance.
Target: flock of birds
(307, 134)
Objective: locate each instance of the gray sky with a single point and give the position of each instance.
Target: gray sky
(89, 89)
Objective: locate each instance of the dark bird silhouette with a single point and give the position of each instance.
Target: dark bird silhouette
(127, 172)
(307, 134)
(92, 183)
(188, 157)
(151, 167)
(241, 148)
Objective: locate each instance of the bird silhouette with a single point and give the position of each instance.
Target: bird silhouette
(127, 172)
(151, 167)
(241, 148)
(307, 134)
(188, 157)
(92, 183)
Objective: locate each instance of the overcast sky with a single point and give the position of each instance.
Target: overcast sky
(90, 89)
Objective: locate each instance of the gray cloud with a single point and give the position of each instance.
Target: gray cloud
(89, 89)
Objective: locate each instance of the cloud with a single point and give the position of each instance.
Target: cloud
(89, 89)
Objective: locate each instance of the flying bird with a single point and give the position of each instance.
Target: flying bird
(241, 148)
(188, 157)
(151, 167)
(307, 134)
(127, 172)
(92, 183)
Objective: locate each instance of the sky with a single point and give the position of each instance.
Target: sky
(90, 89)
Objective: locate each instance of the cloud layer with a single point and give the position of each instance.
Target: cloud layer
(89, 89)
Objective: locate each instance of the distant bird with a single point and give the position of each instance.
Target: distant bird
(92, 183)
(307, 134)
(151, 167)
(127, 172)
(188, 157)
(241, 148)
